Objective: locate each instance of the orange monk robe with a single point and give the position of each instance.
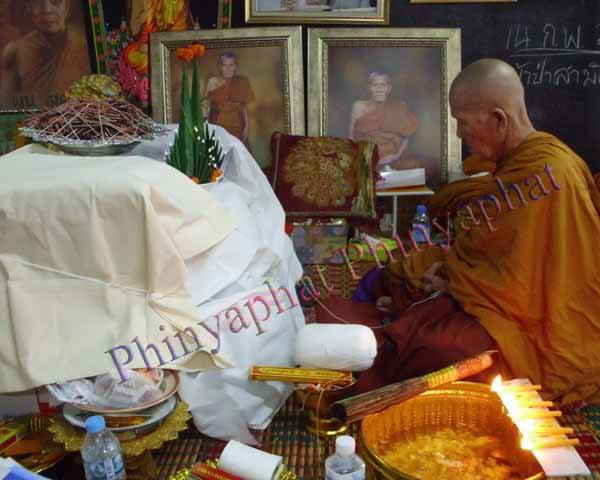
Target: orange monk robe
(388, 125)
(534, 281)
(50, 67)
(227, 103)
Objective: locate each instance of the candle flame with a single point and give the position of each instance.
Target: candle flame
(526, 444)
(497, 384)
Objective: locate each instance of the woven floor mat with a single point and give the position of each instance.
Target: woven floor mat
(287, 436)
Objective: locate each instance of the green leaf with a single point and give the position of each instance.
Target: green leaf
(196, 99)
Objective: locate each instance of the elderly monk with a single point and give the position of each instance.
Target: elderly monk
(227, 97)
(46, 61)
(523, 272)
(389, 123)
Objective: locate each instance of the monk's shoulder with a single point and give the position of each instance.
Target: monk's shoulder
(359, 107)
(242, 80)
(397, 104)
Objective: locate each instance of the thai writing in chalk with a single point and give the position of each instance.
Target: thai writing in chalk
(555, 55)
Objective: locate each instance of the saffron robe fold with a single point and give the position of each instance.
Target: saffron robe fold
(227, 103)
(49, 66)
(532, 275)
(388, 125)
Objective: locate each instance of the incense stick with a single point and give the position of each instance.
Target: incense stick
(359, 406)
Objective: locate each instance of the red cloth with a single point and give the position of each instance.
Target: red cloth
(427, 337)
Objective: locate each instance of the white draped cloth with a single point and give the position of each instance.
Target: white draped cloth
(96, 252)
(225, 403)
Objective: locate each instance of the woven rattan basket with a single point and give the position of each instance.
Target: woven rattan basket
(458, 405)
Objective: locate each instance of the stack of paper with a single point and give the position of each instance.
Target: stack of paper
(401, 178)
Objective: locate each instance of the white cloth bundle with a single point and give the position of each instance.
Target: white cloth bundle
(249, 463)
(334, 346)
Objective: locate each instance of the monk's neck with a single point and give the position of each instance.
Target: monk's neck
(517, 137)
(52, 39)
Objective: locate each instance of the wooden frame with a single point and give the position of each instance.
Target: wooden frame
(420, 65)
(275, 76)
(82, 52)
(291, 13)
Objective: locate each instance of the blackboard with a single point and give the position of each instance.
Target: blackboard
(553, 44)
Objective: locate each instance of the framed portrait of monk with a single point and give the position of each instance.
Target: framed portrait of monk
(251, 82)
(371, 12)
(46, 45)
(390, 86)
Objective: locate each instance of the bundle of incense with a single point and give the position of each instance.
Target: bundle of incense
(301, 375)
(206, 472)
(355, 408)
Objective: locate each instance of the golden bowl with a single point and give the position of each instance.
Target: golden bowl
(460, 405)
(320, 421)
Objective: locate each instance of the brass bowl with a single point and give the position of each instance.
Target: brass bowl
(458, 405)
(320, 420)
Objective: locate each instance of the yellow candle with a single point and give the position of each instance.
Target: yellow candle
(536, 404)
(527, 413)
(551, 442)
(551, 431)
(519, 388)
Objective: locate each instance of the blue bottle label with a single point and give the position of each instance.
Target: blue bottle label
(418, 234)
(108, 469)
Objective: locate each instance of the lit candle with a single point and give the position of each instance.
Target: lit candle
(520, 388)
(532, 413)
(537, 404)
(551, 442)
(533, 428)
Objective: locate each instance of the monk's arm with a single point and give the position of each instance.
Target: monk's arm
(9, 75)
(356, 113)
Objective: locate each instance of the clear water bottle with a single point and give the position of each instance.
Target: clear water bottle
(101, 452)
(421, 220)
(344, 464)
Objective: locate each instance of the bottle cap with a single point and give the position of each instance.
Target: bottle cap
(421, 209)
(345, 445)
(95, 424)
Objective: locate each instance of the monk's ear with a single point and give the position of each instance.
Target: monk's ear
(500, 118)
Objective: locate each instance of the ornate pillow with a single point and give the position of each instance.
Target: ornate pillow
(324, 176)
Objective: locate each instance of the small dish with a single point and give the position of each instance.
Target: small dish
(168, 387)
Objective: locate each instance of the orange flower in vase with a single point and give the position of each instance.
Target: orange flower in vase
(185, 54)
(198, 49)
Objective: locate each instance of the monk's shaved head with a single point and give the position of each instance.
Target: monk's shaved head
(487, 100)
(489, 82)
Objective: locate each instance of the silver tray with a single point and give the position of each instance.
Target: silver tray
(90, 150)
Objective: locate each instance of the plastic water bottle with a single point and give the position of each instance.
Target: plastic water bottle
(421, 220)
(101, 452)
(344, 464)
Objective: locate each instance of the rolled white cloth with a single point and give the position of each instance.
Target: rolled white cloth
(334, 346)
(249, 463)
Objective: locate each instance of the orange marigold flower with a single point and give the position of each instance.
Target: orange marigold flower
(198, 49)
(185, 54)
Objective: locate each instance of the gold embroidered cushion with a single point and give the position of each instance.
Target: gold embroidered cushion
(324, 176)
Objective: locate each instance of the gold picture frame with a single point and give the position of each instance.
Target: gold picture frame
(411, 124)
(463, 1)
(269, 62)
(318, 11)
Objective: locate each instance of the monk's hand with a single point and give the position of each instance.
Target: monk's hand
(434, 278)
(384, 304)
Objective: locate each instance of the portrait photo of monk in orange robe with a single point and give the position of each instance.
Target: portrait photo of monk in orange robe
(393, 96)
(388, 122)
(227, 98)
(48, 55)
